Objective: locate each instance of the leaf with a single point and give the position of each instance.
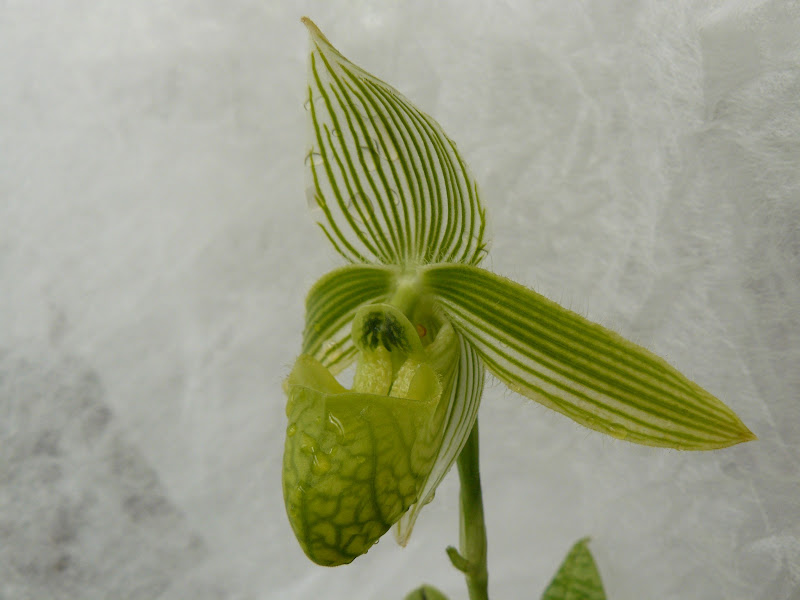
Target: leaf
(331, 305)
(581, 369)
(577, 578)
(391, 185)
(426, 592)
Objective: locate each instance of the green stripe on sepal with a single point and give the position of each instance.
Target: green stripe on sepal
(331, 306)
(391, 185)
(577, 577)
(581, 369)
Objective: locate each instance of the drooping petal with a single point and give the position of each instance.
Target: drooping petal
(331, 305)
(464, 397)
(391, 185)
(581, 369)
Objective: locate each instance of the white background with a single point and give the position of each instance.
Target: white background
(640, 161)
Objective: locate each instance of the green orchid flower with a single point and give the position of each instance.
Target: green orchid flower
(422, 321)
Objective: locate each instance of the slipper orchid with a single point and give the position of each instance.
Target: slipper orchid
(422, 321)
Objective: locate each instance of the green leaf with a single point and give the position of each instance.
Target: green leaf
(331, 305)
(391, 185)
(577, 578)
(581, 369)
(426, 592)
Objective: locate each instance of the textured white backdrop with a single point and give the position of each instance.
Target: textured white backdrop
(640, 161)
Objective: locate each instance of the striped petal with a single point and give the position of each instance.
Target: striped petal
(331, 305)
(391, 185)
(464, 397)
(592, 375)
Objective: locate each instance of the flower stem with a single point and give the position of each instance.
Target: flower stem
(472, 558)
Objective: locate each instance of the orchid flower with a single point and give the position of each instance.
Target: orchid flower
(422, 321)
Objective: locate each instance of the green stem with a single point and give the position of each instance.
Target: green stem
(473, 529)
